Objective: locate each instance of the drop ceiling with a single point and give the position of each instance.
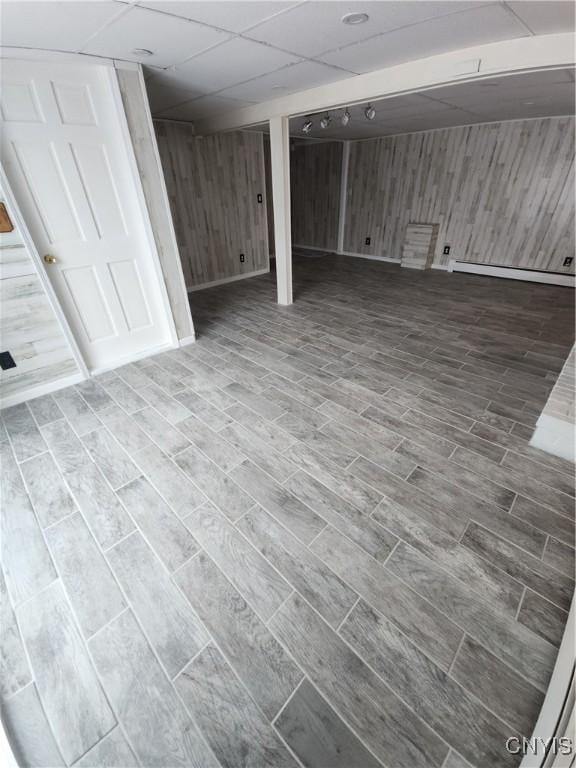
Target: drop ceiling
(534, 94)
(215, 56)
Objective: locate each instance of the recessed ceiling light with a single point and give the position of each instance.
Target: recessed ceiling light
(142, 52)
(370, 112)
(527, 103)
(354, 18)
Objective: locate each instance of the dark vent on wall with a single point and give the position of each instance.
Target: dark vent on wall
(6, 361)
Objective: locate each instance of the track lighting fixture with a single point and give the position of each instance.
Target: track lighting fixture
(370, 112)
(343, 118)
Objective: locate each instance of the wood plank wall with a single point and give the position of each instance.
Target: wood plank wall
(213, 183)
(502, 193)
(29, 328)
(315, 169)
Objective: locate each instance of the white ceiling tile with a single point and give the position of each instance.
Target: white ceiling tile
(170, 39)
(546, 16)
(296, 77)
(232, 15)
(52, 25)
(532, 94)
(199, 108)
(420, 105)
(149, 71)
(559, 103)
(488, 23)
(502, 99)
(162, 96)
(529, 82)
(316, 27)
(234, 62)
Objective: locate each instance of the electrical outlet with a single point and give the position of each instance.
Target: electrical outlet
(6, 361)
(259, 197)
(446, 250)
(568, 261)
(242, 258)
(367, 241)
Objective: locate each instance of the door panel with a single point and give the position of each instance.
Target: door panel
(64, 152)
(130, 294)
(86, 295)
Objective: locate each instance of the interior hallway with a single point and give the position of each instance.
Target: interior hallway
(319, 534)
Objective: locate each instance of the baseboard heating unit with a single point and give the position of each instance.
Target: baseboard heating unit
(513, 273)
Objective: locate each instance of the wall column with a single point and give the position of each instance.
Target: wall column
(280, 165)
(343, 192)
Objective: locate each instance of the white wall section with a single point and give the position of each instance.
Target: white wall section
(280, 157)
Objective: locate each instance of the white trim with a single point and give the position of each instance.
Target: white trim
(554, 436)
(441, 266)
(529, 275)
(550, 716)
(186, 340)
(41, 389)
(506, 57)
(370, 257)
(164, 192)
(343, 195)
(131, 358)
(45, 281)
(137, 183)
(47, 55)
(233, 279)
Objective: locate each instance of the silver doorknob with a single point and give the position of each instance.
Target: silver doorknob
(49, 259)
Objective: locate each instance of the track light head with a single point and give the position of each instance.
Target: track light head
(307, 127)
(325, 122)
(370, 112)
(345, 119)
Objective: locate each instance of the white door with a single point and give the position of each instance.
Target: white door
(64, 154)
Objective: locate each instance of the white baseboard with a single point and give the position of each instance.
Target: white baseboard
(233, 279)
(554, 436)
(369, 257)
(443, 267)
(120, 361)
(41, 389)
(313, 248)
(529, 275)
(186, 340)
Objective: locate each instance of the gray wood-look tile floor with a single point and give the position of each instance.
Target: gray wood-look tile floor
(316, 537)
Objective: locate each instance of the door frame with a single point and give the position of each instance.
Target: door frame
(558, 706)
(151, 242)
(111, 80)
